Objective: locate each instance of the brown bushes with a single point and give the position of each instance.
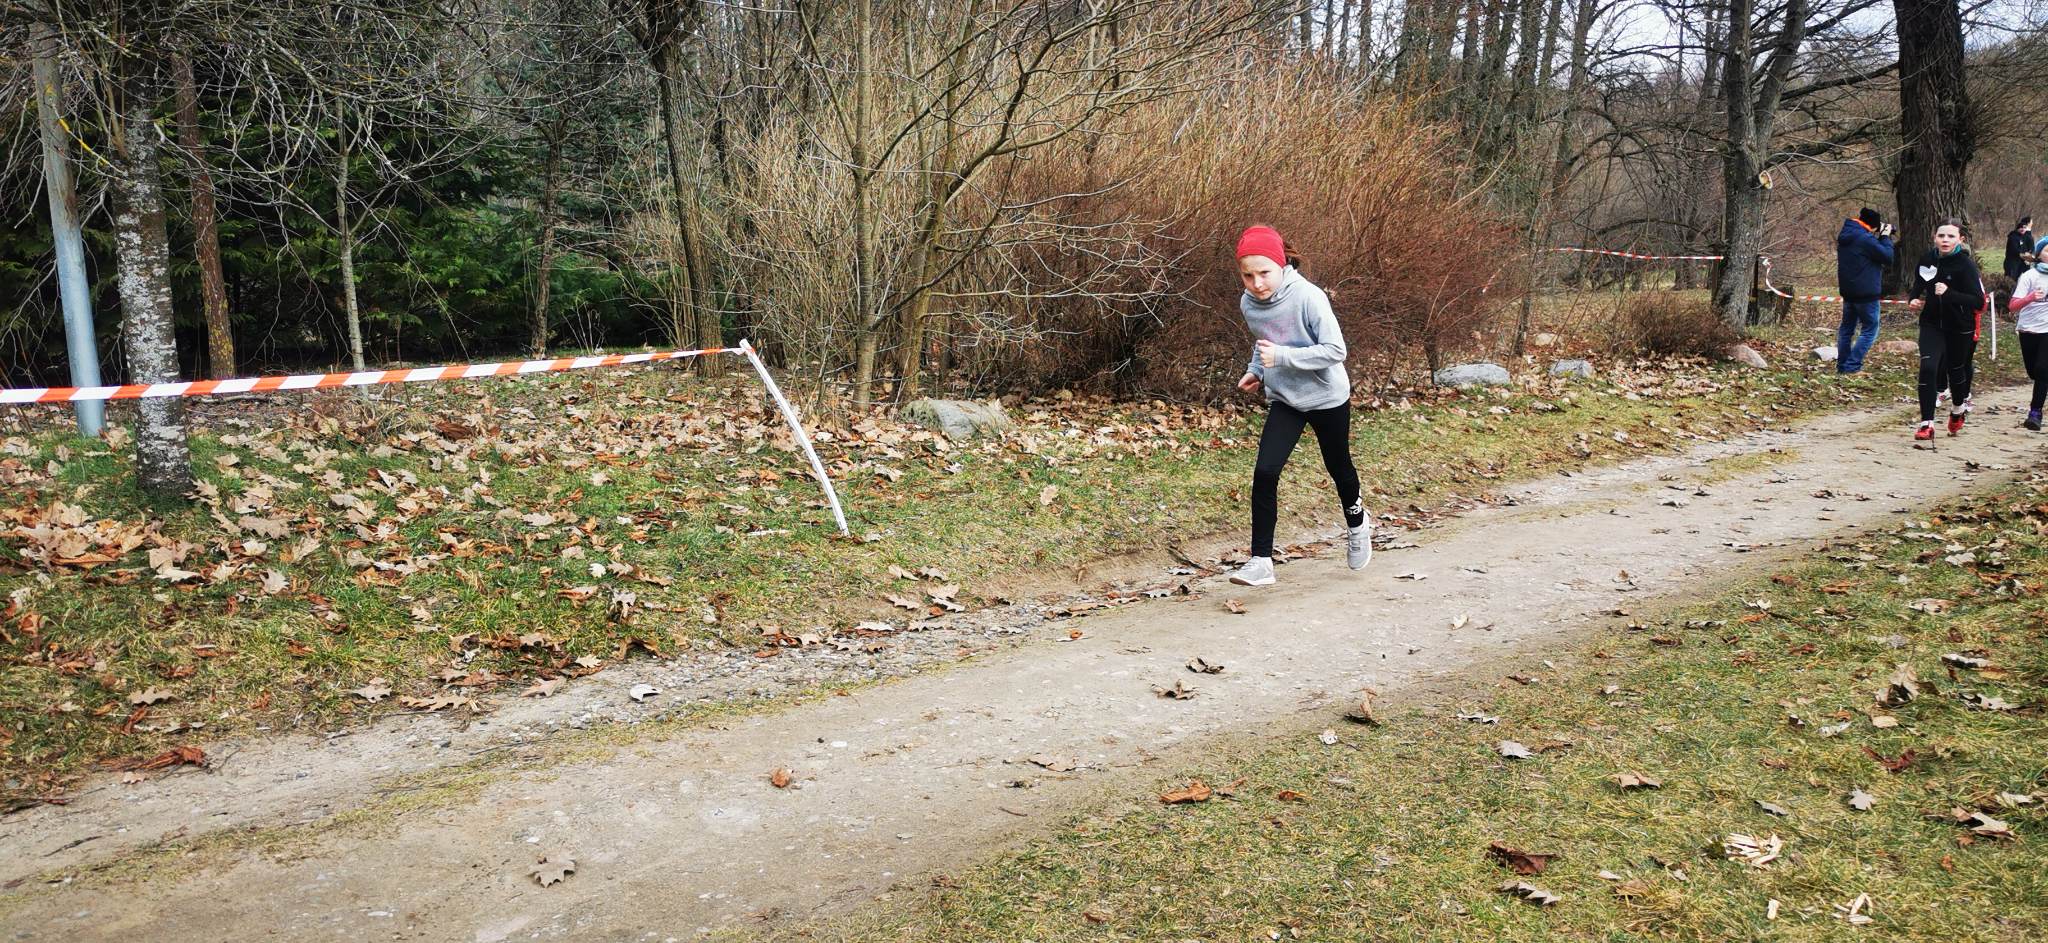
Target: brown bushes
(1367, 192)
(1667, 323)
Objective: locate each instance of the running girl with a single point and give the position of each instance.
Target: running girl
(1948, 292)
(1298, 360)
(2029, 306)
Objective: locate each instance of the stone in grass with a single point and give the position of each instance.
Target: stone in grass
(957, 419)
(1579, 369)
(1898, 347)
(1473, 374)
(1825, 353)
(1746, 356)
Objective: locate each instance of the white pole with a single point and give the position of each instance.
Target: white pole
(797, 429)
(67, 234)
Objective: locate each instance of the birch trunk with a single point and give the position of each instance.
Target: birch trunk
(163, 464)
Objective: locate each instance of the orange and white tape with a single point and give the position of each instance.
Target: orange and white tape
(1634, 255)
(323, 381)
(1775, 290)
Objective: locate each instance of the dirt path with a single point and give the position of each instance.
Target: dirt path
(676, 835)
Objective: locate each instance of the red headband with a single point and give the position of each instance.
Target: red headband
(1265, 241)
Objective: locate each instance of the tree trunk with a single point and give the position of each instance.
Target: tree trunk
(163, 464)
(549, 210)
(1752, 107)
(1560, 161)
(213, 291)
(1365, 36)
(865, 316)
(345, 247)
(668, 85)
(1935, 119)
(1305, 24)
(67, 233)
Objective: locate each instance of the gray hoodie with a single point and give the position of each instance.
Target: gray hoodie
(1308, 368)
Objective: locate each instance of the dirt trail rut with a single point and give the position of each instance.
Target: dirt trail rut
(675, 837)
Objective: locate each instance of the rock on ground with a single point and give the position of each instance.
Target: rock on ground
(1746, 356)
(1543, 340)
(1572, 368)
(1824, 353)
(1898, 347)
(1473, 374)
(958, 419)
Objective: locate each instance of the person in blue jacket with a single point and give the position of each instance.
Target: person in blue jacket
(1862, 252)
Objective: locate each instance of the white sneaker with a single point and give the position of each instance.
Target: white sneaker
(1358, 544)
(1258, 571)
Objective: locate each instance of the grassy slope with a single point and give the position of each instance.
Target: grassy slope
(644, 468)
(1390, 843)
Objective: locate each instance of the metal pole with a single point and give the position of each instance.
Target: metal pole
(67, 235)
(797, 429)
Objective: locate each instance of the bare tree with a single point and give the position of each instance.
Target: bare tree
(1935, 119)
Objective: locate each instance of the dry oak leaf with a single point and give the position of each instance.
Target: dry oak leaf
(1200, 665)
(438, 702)
(1634, 780)
(1363, 713)
(1179, 692)
(901, 602)
(552, 869)
(1194, 791)
(780, 778)
(1517, 860)
(1861, 801)
(1751, 850)
(1513, 750)
(150, 695)
(545, 687)
(1903, 686)
(377, 690)
(1235, 606)
(1047, 495)
(1057, 764)
(1530, 893)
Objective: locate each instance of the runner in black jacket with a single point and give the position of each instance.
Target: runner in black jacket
(1948, 291)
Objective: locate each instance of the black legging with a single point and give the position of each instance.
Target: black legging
(1947, 362)
(2034, 351)
(1276, 442)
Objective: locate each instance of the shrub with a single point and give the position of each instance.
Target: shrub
(1668, 323)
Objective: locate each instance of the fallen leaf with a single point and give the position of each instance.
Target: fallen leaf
(552, 869)
(1982, 703)
(1517, 860)
(1194, 791)
(1893, 764)
(1753, 851)
(1363, 713)
(377, 690)
(1931, 606)
(542, 688)
(1234, 606)
(1883, 721)
(1328, 737)
(1199, 665)
(150, 695)
(1634, 780)
(438, 702)
(1903, 686)
(641, 692)
(1179, 692)
(1047, 494)
(1861, 801)
(1057, 764)
(1289, 795)
(1981, 824)
(1514, 751)
(780, 778)
(902, 602)
(1529, 892)
(1853, 910)
(1774, 809)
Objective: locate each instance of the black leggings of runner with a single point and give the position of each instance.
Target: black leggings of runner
(1947, 362)
(2034, 351)
(1276, 442)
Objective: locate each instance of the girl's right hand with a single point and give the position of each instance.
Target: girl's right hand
(1917, 303)
(1249, 382)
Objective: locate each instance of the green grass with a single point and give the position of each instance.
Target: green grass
(641, 468)
(1391, 841)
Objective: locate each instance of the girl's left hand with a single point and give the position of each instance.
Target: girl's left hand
(1269, 354)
